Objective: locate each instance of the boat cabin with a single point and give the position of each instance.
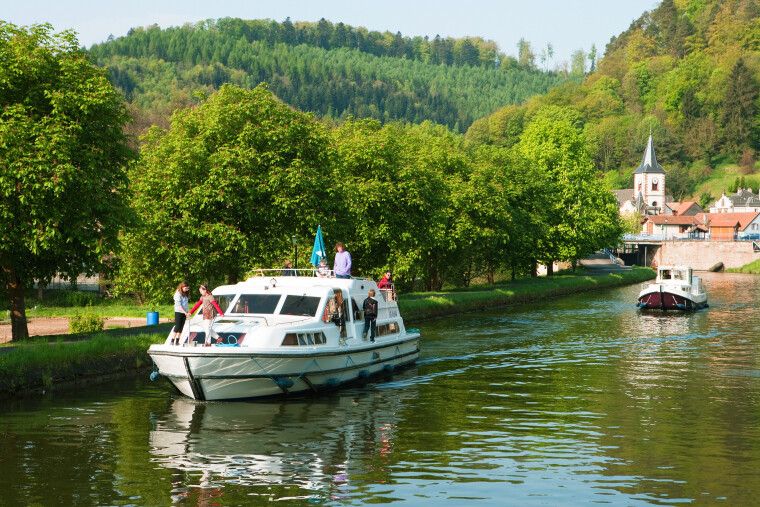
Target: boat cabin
(295, 311)
(666, 274)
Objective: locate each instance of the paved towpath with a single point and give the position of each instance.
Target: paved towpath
(600, 264)
(60, 325)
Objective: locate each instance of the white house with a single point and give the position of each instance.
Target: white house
(743, 201)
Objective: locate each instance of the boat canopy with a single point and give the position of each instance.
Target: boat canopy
(674, 273)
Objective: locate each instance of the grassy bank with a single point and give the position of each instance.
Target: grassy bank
(40, 364)
(415, 309)
(752, 268)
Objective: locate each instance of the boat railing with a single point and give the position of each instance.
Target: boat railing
(389, 295)
(307, 272)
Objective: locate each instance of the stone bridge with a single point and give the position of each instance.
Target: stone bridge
(699, 254)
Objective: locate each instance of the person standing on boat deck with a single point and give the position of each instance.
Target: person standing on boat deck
(342, 267)
(287, 269)
(323, 270)
(386, 282)
(209, 304)
(181, 309)
(370, 315)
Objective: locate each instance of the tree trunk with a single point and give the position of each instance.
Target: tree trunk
(490, 272)
(533, 268)
(15, 290)
(550, 268)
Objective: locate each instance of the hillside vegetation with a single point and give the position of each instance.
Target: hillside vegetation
(688, 72)
(335, 71)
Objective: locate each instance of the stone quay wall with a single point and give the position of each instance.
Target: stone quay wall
(702, 255)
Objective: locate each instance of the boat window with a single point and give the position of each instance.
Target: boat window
(389, 328)
(300, 305)
(357, 312)
(293, 339)
(256, 303)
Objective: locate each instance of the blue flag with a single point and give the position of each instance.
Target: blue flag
(319, 248)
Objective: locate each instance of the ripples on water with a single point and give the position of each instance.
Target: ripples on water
(579, 400)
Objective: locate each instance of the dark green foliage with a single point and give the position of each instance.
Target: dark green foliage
(740, 108)
(334, 72)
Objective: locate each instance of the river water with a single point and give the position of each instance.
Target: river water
(576, 400)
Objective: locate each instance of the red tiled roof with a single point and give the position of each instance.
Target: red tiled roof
(728, 219)
(672, 220)
(679, 208)
(724, 222)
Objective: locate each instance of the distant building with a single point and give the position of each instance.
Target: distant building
(670, 226)
(730, 226)
(743, 201)
(715, 226)
(647, 197)
(686, 209)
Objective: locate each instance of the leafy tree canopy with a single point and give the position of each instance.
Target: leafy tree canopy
(223, 190)
(63, 153)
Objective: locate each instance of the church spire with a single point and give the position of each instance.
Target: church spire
(649, 161)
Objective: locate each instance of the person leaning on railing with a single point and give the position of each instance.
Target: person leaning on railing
(323, 270)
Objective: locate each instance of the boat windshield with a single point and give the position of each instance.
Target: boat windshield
(300, 305)
(256, 303)
(224, 301)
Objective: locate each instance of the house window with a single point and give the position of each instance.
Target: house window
(654, 186)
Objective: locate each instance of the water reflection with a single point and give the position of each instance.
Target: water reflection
(573, 401)
(313, 446)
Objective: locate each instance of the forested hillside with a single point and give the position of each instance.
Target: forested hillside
(331, 70)
(689, 71)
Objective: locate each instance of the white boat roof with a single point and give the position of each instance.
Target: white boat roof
(312, 285)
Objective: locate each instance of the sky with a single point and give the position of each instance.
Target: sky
(568, 25)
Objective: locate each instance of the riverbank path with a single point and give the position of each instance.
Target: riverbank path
(600, 264)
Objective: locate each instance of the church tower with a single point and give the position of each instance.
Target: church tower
(649, 181)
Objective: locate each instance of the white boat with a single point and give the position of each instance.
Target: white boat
(286, 334)
(675, 288)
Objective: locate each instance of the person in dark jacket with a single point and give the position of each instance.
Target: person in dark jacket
(370, 315)
(287, 269)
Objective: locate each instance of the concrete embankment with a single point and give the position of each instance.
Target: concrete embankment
(704, 255)
(98, 359)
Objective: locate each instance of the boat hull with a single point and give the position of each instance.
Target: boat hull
(663, 299)
(238, 373)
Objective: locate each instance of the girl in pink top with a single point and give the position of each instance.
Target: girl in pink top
(209, 304)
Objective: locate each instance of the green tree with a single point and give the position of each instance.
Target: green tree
(581, 216)
(525, 55)
(578, 63)
(739, 108)
(223, 190)
(63, 154)
(505, 193)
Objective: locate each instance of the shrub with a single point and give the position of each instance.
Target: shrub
(86, 322)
